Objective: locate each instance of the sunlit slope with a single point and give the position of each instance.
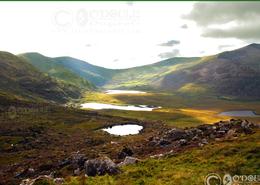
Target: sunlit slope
(95, 74)
(146, 77)
(54, 69)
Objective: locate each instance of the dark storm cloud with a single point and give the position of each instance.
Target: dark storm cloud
(170, 54)
(170, 43)
(245, 15)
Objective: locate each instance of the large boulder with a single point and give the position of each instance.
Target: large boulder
(101, 166)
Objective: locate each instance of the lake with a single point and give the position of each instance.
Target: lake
(123, 130)
(124, 92)
(99, 106)
(239, 113)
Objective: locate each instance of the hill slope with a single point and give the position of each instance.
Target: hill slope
(21, 80)
(50, 66)
(231, 73)
(95, 74)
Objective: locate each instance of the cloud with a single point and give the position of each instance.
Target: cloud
(243, 16)
(251, 31)
(184, 26)
(170, 43)
(220, 47)
(116, 60)
(211, 13)
(171, 54)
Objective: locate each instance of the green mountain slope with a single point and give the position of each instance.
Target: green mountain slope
(233, 73)
(21, 80)
(95, 74)
(145, 77)
(51, 67)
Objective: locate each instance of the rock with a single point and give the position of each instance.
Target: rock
(39, 180)
(182, 142)
(128, 160)
(58, 181)
(231, 133)
(175, 134)
(125, 152)
(204, 141)
(220, 133)
(76, 172)
(25, 173)
(78, 160)
(157, 156)
(101, 166)
(164, 142)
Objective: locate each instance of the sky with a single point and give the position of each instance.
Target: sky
(127, 34)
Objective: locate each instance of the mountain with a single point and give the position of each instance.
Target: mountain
(21, 80)
(51, 67)
(228, 74)
(95, 74)
(144, 77)
(231, 73)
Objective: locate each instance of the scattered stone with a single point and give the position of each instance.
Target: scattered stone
(101, 166)
(182, 142)
(231, 133)
(164, 142)
(125, 152)
(58, 181)
(175, 134)
(128, 160)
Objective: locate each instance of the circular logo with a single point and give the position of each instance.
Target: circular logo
(213, 179)
(12, 112)
(227, 179)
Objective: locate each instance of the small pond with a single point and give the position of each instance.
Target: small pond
(239, 113)
(123, 130)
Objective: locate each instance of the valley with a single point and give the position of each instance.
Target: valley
(61, 119)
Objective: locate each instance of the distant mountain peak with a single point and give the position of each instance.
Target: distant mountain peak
(254, 45)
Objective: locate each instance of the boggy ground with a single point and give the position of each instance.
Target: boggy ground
(41, 138)
(37, 138)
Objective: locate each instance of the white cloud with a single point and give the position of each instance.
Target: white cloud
(99, 32)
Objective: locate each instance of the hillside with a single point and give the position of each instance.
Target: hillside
(231, 73)
(95, 74)
(51, 67)
(143, 77)
(21, 80)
